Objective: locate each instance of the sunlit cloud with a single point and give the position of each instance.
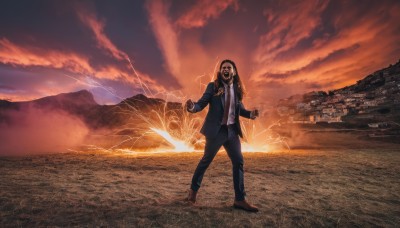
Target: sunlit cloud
(282, 47)
(17, 96)
(190, 61)
(20, 56)
(24, 56)
(28, 56)
(289, 26)
(165, 34)
(360, 44)
(199, 14)
(103, 41)
(97, 27)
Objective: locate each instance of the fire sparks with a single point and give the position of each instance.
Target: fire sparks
(246, 147)
(179, 146)
(262, 139)
(177, 127)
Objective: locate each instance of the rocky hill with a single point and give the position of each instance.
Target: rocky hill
(376, 98)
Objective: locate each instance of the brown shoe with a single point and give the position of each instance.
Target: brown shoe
(192, 196)
(244, 205)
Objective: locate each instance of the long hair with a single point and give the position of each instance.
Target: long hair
(219, 86)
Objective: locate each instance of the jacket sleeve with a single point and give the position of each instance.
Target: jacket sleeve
(243, 111)
(204, 100)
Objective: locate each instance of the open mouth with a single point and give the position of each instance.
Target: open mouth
(226, 74)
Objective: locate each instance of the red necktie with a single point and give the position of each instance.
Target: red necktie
(227, 106)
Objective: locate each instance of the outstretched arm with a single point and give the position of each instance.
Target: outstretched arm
(202, 102)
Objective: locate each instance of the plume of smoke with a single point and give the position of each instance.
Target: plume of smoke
(37, 131)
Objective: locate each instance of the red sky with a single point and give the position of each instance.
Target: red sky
(280, 47)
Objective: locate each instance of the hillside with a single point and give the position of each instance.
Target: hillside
(370, 108)
(376, 98)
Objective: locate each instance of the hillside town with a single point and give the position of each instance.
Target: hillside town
(369, 100)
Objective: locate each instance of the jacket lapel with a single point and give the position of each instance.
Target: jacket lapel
(236, 98)
(222, 100)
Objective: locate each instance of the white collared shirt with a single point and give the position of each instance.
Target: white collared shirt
(231, 115)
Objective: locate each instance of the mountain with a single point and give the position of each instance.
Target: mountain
(70, 102)
(82, 105)
(67, 100)
(143, 103)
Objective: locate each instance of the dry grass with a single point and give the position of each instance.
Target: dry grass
(333, 187)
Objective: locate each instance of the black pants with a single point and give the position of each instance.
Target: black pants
(227, 137)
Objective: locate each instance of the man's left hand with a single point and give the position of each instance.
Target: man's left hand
(254, 114)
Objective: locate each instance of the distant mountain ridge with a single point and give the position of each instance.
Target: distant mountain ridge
(82, 97)
(83, 105)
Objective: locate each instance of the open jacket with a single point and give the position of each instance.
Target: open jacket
(215, 114)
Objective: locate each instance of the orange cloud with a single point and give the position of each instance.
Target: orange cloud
(97, 27)
(190, 61)
(289, 25)
(359, 47)
(14, 96)
(165, 34)
(202, 11)
(15, 55)
(134, 77)
(27, 56)
(200, 62)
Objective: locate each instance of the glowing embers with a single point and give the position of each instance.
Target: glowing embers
(246, 147)
(257, 139)
(183, 138)
(262, 139)
(179, 146)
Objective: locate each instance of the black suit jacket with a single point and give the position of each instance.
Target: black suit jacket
(215, 114)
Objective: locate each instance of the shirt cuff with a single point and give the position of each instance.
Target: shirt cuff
(191, 109)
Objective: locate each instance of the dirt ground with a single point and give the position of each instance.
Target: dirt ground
(302, 188)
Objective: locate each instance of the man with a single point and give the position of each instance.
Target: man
(222, 128)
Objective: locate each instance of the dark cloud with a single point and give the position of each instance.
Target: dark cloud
(7, 88)
(43, 24)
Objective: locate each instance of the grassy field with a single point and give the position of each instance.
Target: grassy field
(320, 187)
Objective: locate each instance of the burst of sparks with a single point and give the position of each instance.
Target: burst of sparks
(184, 136)
(179, 145)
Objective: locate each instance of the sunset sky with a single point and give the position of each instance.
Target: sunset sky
(281, 48)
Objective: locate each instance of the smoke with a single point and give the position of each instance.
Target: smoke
(299, 138)
(318, 137)
(37, 131)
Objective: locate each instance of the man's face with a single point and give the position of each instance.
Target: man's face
(227, 71)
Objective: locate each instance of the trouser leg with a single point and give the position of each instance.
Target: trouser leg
(233, 148)
(212, 147)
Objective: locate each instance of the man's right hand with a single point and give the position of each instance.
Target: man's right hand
(189, 104)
